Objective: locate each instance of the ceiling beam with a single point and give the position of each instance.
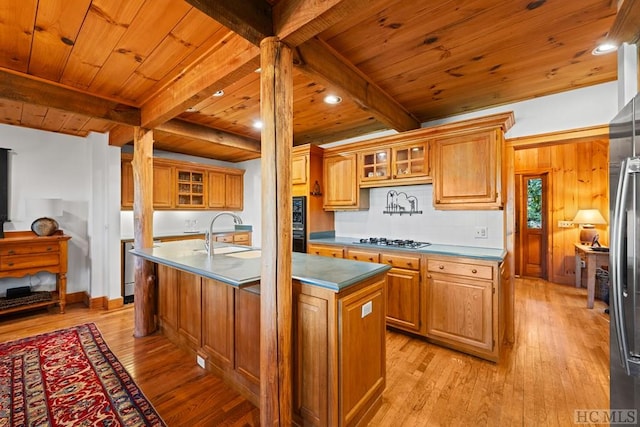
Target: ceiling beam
(318, 59)
(249, 18)
(625, 28)
(230, 61)
(121, 135)
(204, 133)
(32, 90)
(296, 21)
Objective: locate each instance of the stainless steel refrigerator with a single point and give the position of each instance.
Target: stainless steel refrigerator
(624, 181)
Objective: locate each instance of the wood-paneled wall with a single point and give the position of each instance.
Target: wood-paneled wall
(578, 179)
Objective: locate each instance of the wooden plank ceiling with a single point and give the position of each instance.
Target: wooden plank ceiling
(80, 66)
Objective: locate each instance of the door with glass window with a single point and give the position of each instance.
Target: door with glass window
(532, 229)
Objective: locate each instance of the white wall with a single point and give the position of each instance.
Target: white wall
(51, 165)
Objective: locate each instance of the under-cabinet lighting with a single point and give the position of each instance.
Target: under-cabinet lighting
(257, 124)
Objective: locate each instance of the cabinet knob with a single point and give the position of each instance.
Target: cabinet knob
(370, 259)
(10, 264)
(11, 252)
(409, 264)
(390, 261)
(49, 248)
(441, 267)
(474, 271)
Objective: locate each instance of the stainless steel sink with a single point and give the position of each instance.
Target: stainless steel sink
(224, 250)
(256, 253)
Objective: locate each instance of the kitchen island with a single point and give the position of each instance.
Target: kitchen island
(210, 305)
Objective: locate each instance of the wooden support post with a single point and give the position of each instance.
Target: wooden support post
(144, 290)
(276, 101)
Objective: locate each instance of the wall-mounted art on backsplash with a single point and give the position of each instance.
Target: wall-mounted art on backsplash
(401, 203)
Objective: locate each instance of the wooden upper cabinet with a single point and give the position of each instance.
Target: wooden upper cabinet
(190, 188)
(126, 184)
(398, 165)
(226, 191)
(411, 160)
(375, 165)
(341, 184)
(163, 188)
(234, 196)
(217, 190)
(467, 171)
(299, 169)
(185, 185)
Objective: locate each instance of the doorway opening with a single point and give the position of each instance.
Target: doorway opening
(532, 219)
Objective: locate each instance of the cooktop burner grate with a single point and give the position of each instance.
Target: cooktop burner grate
(397, 243)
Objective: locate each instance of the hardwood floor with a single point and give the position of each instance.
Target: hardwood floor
(559, 363)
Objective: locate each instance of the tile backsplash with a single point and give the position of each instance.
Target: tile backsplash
(435, 226)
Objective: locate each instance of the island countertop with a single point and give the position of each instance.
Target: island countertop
(242, 268)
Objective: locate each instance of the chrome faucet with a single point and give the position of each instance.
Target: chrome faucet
(208, 240)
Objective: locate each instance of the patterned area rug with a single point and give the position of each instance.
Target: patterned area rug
(69, 377)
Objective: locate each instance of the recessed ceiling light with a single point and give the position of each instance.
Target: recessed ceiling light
(257, 124)
(257, 70)
(604, 48)
(332, 99)
(192, 110)
(218, 93)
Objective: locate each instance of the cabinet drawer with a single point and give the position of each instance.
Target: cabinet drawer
(409, 262)
(17, 262)
(225, 238)
(32, 248)
(330, 251)
(366, 256)
(460, 269)
(241, 238)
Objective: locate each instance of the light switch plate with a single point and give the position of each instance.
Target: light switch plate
(481, 232)
(565, 224)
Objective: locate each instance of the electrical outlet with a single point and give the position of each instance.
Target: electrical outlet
(200, 361)
(565, 224)
(367, 309)
(481, 232)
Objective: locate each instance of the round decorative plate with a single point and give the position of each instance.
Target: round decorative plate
(44, 226)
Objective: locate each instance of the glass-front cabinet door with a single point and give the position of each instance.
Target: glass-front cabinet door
(190, 188)
(375, 165)
(411, 160)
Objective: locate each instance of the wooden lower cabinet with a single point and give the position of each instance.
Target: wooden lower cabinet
(463, 305)
(247, 334)
(453, 301)
(218, 322)
(404, 287)
(339, 364)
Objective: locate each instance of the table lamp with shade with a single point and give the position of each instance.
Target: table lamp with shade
(588, 219)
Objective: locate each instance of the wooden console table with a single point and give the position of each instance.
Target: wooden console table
(592, 260)
(23, 253)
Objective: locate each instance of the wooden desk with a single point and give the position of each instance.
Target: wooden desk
(23, 253)
(592, 260)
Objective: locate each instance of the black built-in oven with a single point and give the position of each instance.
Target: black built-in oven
(299, 224)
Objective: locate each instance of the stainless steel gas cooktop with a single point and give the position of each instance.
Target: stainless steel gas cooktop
(396, 243)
